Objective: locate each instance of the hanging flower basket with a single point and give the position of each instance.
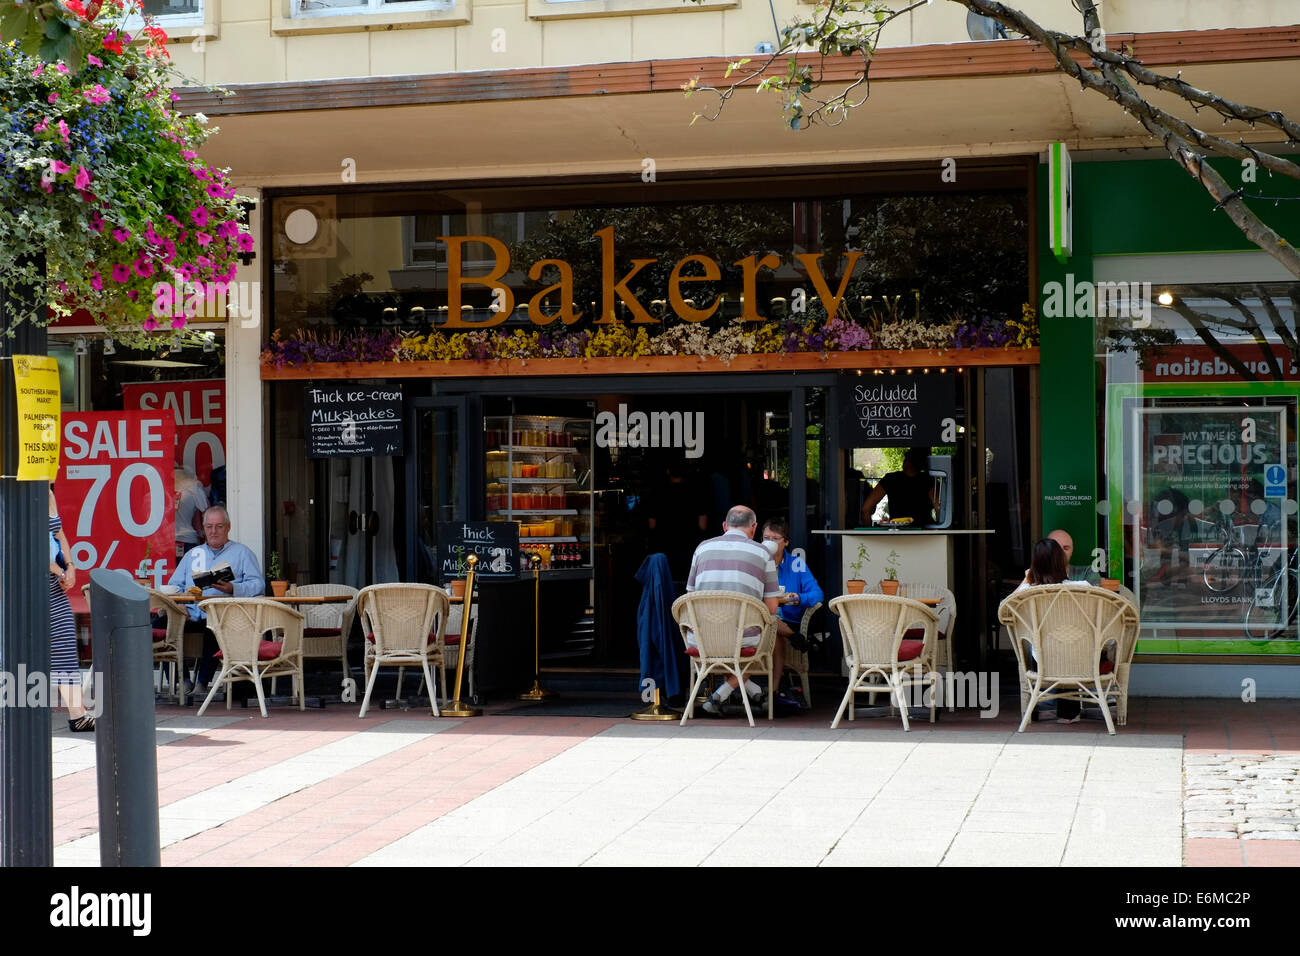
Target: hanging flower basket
(100, 174)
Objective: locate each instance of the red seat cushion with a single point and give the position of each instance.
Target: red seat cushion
(744, 651)
(266, 651)
(909, 650)
(159, 634)
(321, 631)
(918, 634)
(1107, 667)
(451, 640)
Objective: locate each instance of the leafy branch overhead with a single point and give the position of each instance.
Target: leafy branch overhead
(855, 27)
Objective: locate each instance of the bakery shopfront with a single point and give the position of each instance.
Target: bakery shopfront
(606, 368)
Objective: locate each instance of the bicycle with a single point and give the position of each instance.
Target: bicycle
(1223, 567)
(1274, 604)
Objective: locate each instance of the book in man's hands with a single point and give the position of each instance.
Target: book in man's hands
(219, 574)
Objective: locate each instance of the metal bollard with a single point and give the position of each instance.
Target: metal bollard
(126, 756)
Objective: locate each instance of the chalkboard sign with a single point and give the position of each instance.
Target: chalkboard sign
(495, 542)
(354, 421)
(897, 411)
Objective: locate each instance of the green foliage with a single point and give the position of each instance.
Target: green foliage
(891, 565)
(864, 557)
(273, 567)
(99, 175)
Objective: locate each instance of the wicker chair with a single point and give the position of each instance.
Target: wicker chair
(797, 660)
(875, 628)
(405, 625)
(946, 608)
(169, 645)
(325, 635)
(718, 620)
(240, 626)
(1068, 628)
(451, 644)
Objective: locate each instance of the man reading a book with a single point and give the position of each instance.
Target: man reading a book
(222, 568)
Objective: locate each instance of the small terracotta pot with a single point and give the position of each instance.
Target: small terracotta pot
(278, 588)
(855, 586)
(458, 588)
(888, 586)
(1110, 584)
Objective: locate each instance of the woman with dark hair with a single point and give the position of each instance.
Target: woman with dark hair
(1048, 566)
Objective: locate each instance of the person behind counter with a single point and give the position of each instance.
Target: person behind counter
(910, 491)
(801, 591)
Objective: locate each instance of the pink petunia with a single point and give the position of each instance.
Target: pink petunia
(83, 178)
(150, 325)
(96, 222)
(42, 126)
(200, 215)
(61, 68)
(245, 242)
(169, 251)
(176, 97)
(143, 268)
(121, 235)
(63, 131)
(200, 173)
(203, 239)
(59, 167)
(94, 60)
(188, 153)
(133, 295)
(203, 262)
(52, 98)
(39, 70)
(228, 229)
(96, 282)
(178, 322)
(96, 94)
(121, 273)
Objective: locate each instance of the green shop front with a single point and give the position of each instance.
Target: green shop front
(1175, 339)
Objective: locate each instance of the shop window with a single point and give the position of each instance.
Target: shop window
(1200, 512)
(171, 13)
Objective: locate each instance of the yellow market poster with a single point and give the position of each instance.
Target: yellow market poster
(36, 384)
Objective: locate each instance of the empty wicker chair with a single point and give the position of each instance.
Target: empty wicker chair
(719, 620)
(242, 627)
(405, 626)
(325, 635)
(1059, 634)
(797, 660)
(169, 641)
(875, 628)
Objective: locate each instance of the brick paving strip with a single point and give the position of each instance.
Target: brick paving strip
(323, 790)
(1235, 798)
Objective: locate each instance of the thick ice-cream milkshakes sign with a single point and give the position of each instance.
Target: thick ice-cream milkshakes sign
(115, 489)
(199, 412)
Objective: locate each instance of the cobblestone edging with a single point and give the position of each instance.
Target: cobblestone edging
(1254, 797)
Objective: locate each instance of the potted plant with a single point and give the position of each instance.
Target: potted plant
(890, 583)
(857, 584)
(278, 583)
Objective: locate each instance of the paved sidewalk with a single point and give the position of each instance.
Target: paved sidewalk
(325, 788)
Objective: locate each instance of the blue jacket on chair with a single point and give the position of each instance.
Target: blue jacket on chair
(656, 631)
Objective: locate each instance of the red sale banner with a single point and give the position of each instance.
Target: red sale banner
(115, 491)
(199, 410)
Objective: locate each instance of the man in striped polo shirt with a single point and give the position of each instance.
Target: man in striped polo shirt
(734, 561)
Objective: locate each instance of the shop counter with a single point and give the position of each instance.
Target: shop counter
(923, 556)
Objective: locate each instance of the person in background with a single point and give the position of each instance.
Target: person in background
(65, 670)
(910, 491)
(801, 591)
(734, 561)
(1082, 573)
(248, 582)
(1049, 566)
(191, 502)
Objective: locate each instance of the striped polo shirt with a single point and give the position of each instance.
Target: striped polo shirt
(734, 562)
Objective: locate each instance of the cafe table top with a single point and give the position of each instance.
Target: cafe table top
(286, 599)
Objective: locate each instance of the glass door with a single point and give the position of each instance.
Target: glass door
(437, 480)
